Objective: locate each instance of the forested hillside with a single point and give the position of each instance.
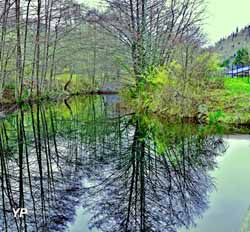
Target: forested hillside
(227, 47)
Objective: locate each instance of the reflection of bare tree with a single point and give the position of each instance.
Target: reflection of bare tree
(136, 189)
(32, 174)
(41, 158)
(129, 178)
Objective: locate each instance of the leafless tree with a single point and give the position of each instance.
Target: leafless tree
(150, 28)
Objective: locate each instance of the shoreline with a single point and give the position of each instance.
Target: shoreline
(10, 107)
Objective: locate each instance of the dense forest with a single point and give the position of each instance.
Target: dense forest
(228, 46)
(55, 45)
(46, 45)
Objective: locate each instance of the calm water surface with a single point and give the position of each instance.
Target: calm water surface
(85, 165)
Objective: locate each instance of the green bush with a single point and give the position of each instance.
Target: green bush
(174, 89)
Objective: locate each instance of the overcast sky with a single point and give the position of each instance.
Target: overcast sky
(223, 17)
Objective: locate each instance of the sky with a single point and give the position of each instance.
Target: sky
(223, 17)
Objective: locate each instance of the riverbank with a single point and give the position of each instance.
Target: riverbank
(8, 106)
(226, 103)
(154, 120)
(222, 101)
(229, 99)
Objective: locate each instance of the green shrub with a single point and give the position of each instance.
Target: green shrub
(214, 117)
(174, 89)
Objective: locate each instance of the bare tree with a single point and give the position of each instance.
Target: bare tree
(150, 28)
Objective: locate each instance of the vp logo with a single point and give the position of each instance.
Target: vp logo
(19, 212)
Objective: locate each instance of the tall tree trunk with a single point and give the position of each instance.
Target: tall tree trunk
(19, 78)
(37, 50)
(52, 69)
(2, 45)
(25, 42)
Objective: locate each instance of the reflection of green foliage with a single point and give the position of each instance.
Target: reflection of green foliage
(165, 135)
(84, 116)
(88, 119)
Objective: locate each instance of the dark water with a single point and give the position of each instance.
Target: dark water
(86, 165)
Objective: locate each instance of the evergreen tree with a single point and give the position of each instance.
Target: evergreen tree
(242, 57)
(225, 63)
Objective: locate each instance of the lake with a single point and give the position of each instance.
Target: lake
(86, 165)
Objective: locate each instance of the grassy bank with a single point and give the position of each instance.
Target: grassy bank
(230, 100)
(173, 94)
(65, 85)
(223, 100)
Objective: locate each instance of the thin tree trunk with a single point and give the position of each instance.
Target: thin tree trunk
(25, 42)
(19, 78)
(37, 50)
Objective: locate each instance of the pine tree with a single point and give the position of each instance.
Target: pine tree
(242, 57)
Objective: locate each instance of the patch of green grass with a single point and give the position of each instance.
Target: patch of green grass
(78, 82)
(64, 78)
(237, 85)
(214, 117)
(232, 100)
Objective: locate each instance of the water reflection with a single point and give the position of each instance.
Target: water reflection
(129, 172)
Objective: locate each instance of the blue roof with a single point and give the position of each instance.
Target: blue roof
(238, 70)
